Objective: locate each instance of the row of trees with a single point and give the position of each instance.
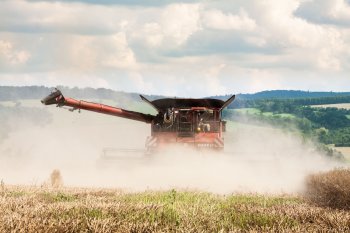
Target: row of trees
(328, 125)
(282, 105)
(330, 118)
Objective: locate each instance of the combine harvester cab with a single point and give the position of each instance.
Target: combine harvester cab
(189, 122)
(185, 122)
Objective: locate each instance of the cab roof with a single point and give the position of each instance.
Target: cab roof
(163, 104)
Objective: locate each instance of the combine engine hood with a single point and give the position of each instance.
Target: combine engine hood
(56, 97)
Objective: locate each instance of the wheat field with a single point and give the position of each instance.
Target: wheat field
(342, 105)
(43, 209)
(345, 151)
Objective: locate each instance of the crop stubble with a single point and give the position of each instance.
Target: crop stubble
(35, 209)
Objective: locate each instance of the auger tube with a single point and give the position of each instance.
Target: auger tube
(57, 98)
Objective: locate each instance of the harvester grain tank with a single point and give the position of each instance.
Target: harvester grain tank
(179, 121)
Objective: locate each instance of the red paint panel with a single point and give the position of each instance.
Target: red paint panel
(105, 109)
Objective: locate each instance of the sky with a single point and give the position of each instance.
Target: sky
(177, 48)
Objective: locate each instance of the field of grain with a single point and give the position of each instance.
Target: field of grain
(342, 105)
(331, 188)
(39, 209)
(345, 151)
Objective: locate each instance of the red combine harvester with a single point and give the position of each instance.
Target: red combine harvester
(190, 122)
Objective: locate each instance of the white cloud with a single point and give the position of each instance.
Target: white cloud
(340, 10)
(187, 49)
(259, 79)
(180, 21)
(62, 17)
(256, 41)
(10, 55)
(101, 83)
(336, 12)
(169, 27)
(216, 19)
(153, 34)
(212, 81)
(141, 86)
(120, 55)
(316, 45)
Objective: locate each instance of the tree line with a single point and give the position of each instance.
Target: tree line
(273, 104)
(328, 125)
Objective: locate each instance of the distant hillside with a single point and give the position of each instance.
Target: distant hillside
(298, 97)
(11, 93)
(292, 94)
(286, 94)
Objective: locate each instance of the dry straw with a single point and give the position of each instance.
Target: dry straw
(34, 209)
(329, 189)
(56, 179)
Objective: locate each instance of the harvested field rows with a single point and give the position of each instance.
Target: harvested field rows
(343, 105)
(345, 151)
(33, 209)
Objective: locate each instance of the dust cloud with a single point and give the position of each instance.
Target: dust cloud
(257, 159)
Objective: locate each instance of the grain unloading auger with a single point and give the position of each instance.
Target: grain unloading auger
(179, 121)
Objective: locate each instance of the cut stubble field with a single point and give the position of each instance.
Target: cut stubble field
(39, 209)
(342, 105)
(345, 151)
